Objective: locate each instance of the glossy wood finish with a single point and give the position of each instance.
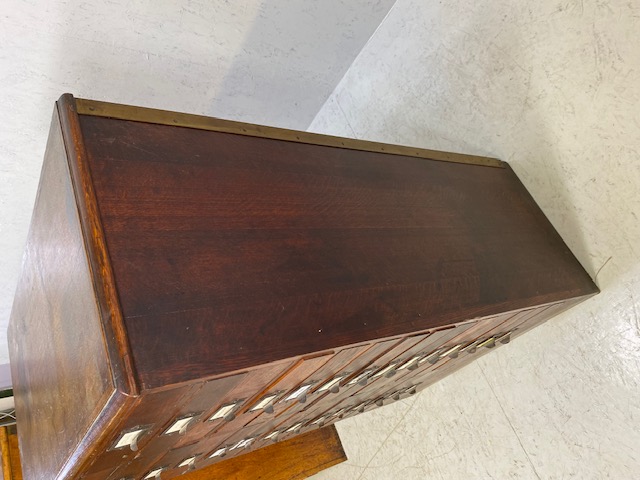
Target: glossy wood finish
(6, 455)
(93, 235)
(294, 459)
(210, 290)
(11, 468)
(297, 458)
(56, 340)
(242, 237)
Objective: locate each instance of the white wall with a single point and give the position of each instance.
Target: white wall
(270, 61)
(553, 88)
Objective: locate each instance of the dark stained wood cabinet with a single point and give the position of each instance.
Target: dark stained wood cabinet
(297, 458)
(194, 289)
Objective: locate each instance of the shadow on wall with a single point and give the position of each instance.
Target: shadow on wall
(293, 58)
(272, 62)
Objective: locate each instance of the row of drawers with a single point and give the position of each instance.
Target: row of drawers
(269, 404)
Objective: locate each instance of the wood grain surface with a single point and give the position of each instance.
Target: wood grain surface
(249, 250)
(60, 370)
(6, 454)
(11, 467)
(165, 117)
(294, 459)
(175, 272)
(115, 335)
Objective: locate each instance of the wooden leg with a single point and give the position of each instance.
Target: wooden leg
(293, 459)
(11, 469)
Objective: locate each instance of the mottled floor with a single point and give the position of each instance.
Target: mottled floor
(553, 88)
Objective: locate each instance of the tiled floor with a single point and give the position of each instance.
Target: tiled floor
(553, 88)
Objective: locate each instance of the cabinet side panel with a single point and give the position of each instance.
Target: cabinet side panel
(61, 376)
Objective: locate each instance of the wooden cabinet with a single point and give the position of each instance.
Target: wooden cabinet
(194, 289)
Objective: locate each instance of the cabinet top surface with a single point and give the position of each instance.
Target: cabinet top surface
(232, 250)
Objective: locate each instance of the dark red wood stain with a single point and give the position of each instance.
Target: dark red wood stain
(248, 250)
(180, 272)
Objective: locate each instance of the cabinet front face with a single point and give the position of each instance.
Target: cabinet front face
(173, 431)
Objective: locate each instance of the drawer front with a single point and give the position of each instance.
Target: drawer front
(293, 401)
(290, 388)
(218, 419)
(140, 427)
(381, 374)
(166, 420)
(188, 415)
